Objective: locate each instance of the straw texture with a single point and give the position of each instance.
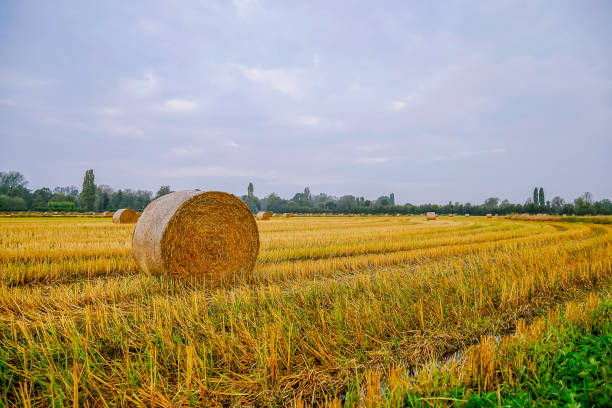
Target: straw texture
(209, 235)
(125, 216)
(431, 215)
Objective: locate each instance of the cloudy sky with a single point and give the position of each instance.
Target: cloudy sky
(434, 101)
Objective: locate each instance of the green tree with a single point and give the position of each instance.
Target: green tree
(392, 198)
(41, 198)
(88, 193)
(250, 190)
(11, 181)
(542, 201)
(8, 203)
(536, 198)
(163, 190)
(491, 203)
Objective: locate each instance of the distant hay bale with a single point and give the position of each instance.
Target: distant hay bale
(209, 235)
(451, 215)
(276, 215)
(125, 216)
(489, 215)
(431, 215)
(108, 213)
(263, 215)
(286, 215)
(467, 215)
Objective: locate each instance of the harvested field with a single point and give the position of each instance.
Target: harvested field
(332, 303)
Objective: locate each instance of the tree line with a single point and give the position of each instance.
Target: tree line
(16, 196)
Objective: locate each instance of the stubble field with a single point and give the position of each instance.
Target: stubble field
(354, 310)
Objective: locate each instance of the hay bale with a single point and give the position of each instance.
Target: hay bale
(489, 215)
(263, 215)
(467, 215)
(125, 216)
(287, 215)
(108, 213)
(431, 215)
(451, 215)
(207, 235)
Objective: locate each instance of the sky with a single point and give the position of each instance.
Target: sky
(433, 101)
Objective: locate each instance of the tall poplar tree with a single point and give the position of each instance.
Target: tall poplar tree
(88, 194)
(542, 200)
(535, 196)
(250, 190)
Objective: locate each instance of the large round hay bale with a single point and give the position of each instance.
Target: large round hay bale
(431, 215)
(125, 216)
(263, 215)
(207, 235)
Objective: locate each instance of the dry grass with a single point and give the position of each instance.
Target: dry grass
(328, 298)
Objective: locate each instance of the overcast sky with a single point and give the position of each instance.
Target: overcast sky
(434, 101)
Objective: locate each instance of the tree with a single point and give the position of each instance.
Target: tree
(68, 190)
(88, 193)
(392, 198)
(41, 198)
(556, 203)
(491, 203)
(307, 195)
(11, 181)
(274, 203)
(250, 190)
(542, 201)
(536, 198)
(163, 190)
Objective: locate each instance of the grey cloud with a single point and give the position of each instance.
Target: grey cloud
(433, 102)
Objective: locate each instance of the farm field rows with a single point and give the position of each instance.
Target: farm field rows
(334, 307)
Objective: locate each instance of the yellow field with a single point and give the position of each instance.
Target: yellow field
(330, 300)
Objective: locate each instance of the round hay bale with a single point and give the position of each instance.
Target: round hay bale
(467, 215)
(209, 235)
(263, 215)
(108, 213)
(489, 215)
(451, 215)
(125, 216)
(431, 215)
(287, 215)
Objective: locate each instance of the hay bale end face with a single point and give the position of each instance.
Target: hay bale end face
(431, 215)
(489, 215)
(207, 235)
(263, 215)
(125, 216)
